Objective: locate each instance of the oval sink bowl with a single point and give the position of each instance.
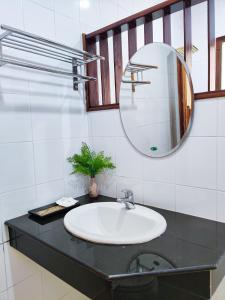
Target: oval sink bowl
(112, 223)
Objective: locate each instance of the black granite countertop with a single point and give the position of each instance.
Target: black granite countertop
(189, 244)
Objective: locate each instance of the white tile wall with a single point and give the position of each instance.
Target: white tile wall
(221, 206)
(159, 194)
(48, 4)
(63, 26)
(112, 126)
(49, 192)
(11, 10)
(111, 8)
(128, 159)
(33, 13)
(42, 122)
(196, 201)
(71, 9)
(205, 126)
(48, 160)
(46, 117)
(221, 113)
(15, 112)
(162, 170)
(2, 271)
(191, 181)
(196, 163)
(107, 184)
(16, 203)
(221, 163)
(4, 296)
(17, 168)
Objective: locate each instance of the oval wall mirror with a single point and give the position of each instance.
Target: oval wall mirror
(156, 100)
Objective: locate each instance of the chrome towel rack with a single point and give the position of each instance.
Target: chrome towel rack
(135, 73)
(34, 44)
(136, 67)
(136, 82)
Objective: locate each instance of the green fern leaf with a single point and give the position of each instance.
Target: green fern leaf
(90, 163)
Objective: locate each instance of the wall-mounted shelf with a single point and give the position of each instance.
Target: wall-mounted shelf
(135, 67)
(34, 44)
(136, 82)
(135, 71)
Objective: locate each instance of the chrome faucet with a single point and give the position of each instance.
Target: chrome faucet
(128, 199)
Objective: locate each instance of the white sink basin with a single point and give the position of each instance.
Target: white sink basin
(112, 223)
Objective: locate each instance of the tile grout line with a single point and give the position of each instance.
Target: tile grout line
(6, 278)
(217, 147)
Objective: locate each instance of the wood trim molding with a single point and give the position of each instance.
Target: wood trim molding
(207, 95)
(167, 26)
(104, 51)
(197, 97)
(219, 43)
(132, 38)
(104, 107)
(91, 87)
(156, 11)
(148, 30)
(118, 61)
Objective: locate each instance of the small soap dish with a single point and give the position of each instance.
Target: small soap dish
(50, 210)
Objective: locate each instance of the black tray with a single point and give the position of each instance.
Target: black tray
(50, 210)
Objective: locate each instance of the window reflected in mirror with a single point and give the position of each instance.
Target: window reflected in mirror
(220, 63)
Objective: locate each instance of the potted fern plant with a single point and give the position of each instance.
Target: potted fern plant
(90, 163)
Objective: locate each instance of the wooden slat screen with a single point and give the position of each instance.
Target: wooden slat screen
(219, 45)
(118, 60)
(167, 27)
(132, 38)
(187, 33)
(148, 30)
(145, 17)
(92, 94)
(103, 45)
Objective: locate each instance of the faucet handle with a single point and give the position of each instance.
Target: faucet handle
(127, 193)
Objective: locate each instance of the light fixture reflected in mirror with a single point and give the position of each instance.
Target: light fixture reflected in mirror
(194, 49)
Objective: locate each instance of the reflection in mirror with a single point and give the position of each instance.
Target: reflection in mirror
(156, 100)
(220, 63)
(149, 262)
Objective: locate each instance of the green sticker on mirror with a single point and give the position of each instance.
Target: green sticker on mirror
(154, 148)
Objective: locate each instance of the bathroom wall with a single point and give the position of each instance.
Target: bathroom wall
(192, 180)
(42, 121)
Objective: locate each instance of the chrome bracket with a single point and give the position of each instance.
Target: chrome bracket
(1, 62)
(75, 72)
